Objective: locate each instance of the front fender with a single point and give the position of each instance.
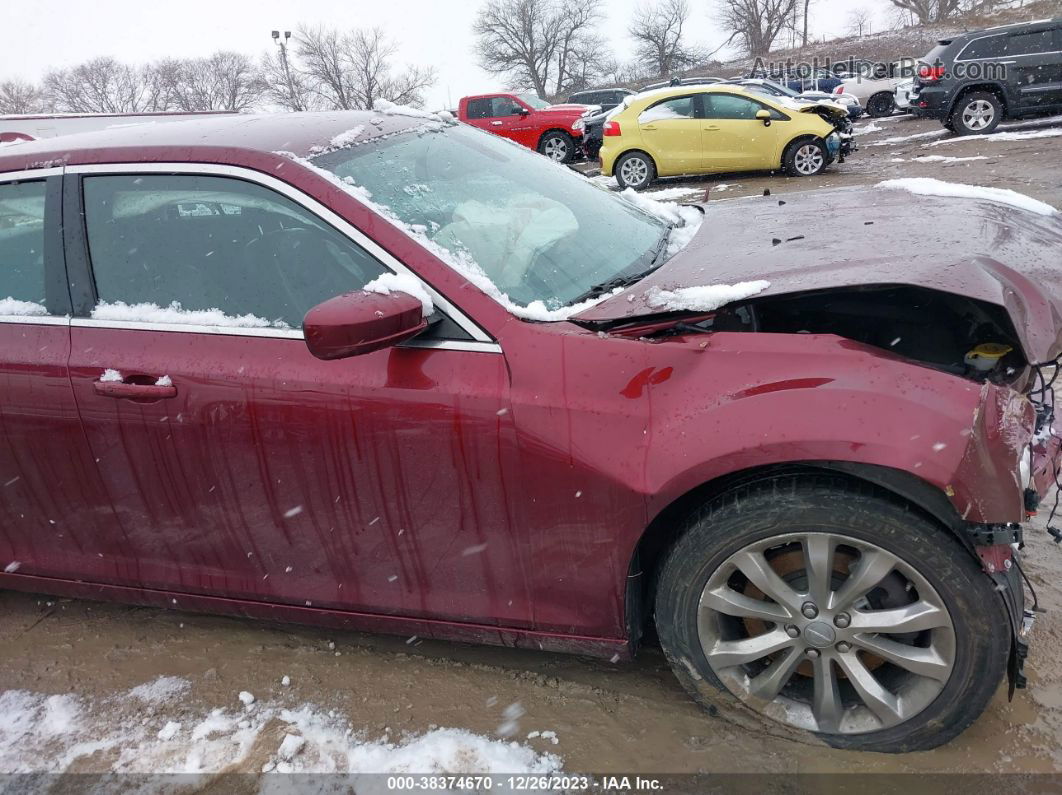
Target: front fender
(751, 400)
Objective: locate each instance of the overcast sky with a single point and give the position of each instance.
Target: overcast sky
(46, 34)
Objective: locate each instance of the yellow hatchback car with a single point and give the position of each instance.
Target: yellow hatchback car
(719, 128)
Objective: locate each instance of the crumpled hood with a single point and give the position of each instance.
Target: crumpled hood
(873, 236)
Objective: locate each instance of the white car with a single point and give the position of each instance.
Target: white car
(877, 94)
(902, 96)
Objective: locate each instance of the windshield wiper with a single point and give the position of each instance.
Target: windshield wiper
(617, 282)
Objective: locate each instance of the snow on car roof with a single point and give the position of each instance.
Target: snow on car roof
(265, 132)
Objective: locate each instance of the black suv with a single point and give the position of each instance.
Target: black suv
(973, 81)
(607, 98)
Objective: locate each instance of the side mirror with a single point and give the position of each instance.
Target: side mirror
(764, 116)
(359, 322)
(521, 111)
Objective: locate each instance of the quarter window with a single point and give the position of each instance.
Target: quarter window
(22, 248)
(213, 251)
(987, 47)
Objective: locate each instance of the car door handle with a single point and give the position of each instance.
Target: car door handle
(712, 127)
(495, 124)
(648, 126)
(119, 389)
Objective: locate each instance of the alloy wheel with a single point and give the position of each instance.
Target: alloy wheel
(556, 148)
(826, 632)
(808, 159)
(978, 114)
(634, 171)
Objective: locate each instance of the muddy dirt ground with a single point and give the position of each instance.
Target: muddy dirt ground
(608, 717)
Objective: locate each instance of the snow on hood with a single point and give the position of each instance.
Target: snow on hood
(975, 247)
(927, 186)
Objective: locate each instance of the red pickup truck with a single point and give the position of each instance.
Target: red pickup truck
(554, 130)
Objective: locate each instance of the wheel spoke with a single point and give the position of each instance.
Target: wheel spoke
(872, 568)
(728, 653)
(759, 572)
(770, 683)
(826, 705)
(917, 660)
(726, 600)
(818, 560)
(878, 700)
(909, 618)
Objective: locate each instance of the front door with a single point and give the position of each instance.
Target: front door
(734, 139)
(237, 463)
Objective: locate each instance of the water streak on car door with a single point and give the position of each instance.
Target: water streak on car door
(375, 483)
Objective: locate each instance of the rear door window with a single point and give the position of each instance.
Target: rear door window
(479, 108)
(22, 248)
(1031, 43)
(207, 250)
(675, 108)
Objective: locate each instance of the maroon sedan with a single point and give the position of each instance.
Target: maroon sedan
(384, 372)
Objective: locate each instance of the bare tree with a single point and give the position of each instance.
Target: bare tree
(547, 44)
(18, 96)
(927, 11)
(352, 70)
(804, 18)
(222, 81)
(104, 85)
(859, 21)
(756, 23)
(657, 32)
(284, 85)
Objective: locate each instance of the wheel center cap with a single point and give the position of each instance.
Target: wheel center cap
(819, 634)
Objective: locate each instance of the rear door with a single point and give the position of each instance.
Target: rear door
(671, 132)
(54, 518)
(734, 139)
(238, 464)
(1036, 58)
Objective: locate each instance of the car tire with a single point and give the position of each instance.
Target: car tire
(977, 113)
(880, 105)
(634, 170)
(706, 605)
(558, 146)
(805, 158)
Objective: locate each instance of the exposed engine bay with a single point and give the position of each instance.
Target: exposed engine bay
(953, 333)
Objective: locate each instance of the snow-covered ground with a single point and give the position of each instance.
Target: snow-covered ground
(151, 728)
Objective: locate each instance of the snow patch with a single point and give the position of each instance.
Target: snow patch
(683, 220)
(13, 306)
(388, 283)
(163, 380)
(704, 298)
(176, 314)
(111, 376)
(164, 688)
(1017, 135)
(945, 159)
(393, 109)
(926, 186)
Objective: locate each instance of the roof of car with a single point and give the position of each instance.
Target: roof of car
(297, 133)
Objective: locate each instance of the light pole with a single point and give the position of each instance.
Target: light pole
(283, 45)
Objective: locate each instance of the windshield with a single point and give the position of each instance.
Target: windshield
(539, 231)
(533, 101)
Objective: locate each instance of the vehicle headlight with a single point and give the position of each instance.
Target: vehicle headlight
(578, 124)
